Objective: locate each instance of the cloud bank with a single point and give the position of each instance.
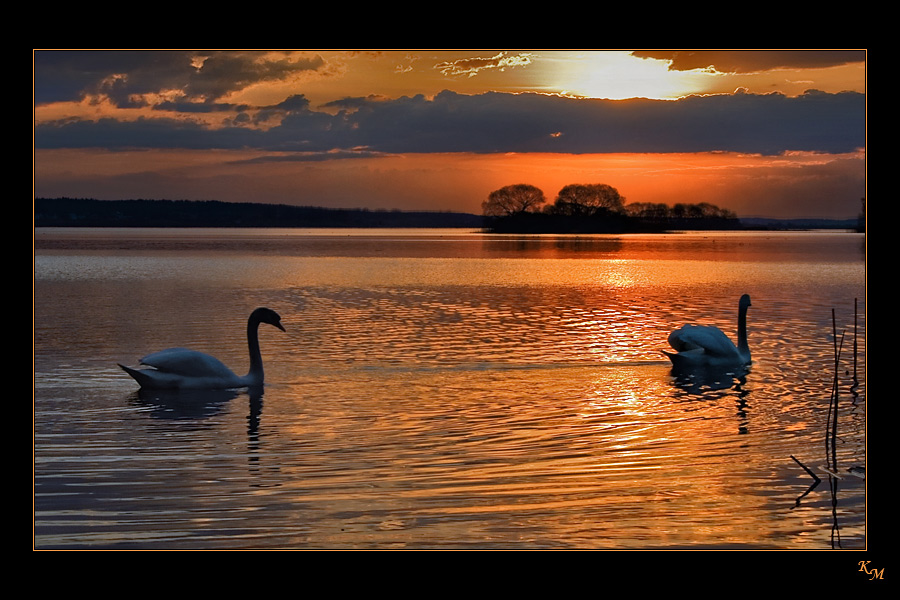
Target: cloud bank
(498, 122)
(173, 89)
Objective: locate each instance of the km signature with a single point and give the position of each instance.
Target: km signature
(873, 573)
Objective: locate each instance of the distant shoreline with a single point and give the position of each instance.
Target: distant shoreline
(81, 213)
(73, 212)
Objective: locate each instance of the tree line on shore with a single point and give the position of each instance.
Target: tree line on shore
(594, 208)
(87, 212)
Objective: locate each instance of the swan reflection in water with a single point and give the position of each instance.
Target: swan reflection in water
(708, 383)
(176, 405)
(196, 406)
(700, 380)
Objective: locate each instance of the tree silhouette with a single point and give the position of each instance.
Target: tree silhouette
(648, 210)
(513, 200)
(588, 200)
(595, 208)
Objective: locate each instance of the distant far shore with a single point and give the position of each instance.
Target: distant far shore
(76, 212)
(82, 212)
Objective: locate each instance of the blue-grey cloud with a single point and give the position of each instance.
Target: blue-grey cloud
(499, 122)
(124, 77)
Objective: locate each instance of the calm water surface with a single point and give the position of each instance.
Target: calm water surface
(446, 389)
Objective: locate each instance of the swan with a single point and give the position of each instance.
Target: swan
(707, 346)
(183, 369)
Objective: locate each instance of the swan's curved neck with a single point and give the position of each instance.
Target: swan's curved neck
(256, 365)
(743, 346)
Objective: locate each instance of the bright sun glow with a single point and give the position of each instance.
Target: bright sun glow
(618, 75)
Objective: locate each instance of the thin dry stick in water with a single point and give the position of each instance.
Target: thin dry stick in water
(831, 422)
(816, 481)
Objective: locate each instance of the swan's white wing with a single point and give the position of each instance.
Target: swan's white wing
(187, 363)
(706, 337)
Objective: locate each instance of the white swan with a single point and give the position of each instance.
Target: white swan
(707, 346)
(183, 369)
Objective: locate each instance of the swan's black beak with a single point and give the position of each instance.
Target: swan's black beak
(279, 326)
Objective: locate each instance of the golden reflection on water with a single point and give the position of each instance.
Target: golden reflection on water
(599, 443)
(512, 396)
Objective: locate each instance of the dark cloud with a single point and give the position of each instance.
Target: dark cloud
(498, 122)
(143, 133)
(752, 61)
(126, 76)
(352, 104)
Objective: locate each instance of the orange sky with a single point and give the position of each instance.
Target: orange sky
(270, 128)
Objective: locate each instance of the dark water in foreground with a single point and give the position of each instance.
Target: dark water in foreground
(445, 389)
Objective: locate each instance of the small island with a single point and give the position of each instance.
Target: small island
(599, 208)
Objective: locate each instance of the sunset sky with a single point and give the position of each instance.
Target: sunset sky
(763, 133)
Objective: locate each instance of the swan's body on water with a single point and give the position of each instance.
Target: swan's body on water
(183, 369)
(707, 346)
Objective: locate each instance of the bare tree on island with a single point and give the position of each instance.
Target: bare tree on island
(513, 200)
(588, 200)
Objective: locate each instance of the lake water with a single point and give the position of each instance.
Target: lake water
(446, 389)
